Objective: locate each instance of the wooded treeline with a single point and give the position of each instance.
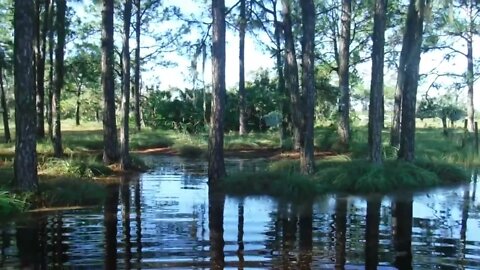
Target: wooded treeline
(63, 67)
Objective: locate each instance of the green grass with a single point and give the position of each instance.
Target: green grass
(282, 179)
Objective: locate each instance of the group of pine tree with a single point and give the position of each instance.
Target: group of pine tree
(304, 35)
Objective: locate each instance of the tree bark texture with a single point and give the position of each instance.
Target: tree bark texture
(414, 28)
(138, 119)
(124, 129)
(77, 108)
(3, 100)
(110, 153)
(343, 73)
(40, 67)
(241, 81)
(470, 82)
(307, 160)
(216, 163)
(25, 163)
(51, 48)
(281, 80)
(291, 74)
(59, 77)
(375, 113)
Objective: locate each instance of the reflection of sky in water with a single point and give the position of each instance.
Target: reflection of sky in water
(175, 231)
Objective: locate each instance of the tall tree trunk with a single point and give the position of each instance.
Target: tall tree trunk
(241, 82)
(307, 161)
(77, 108)
(216, 163)
(3, 100)
(59, 80)
(110, 153)
(124, 131)
(414, 28)
(283, 106)
(375, 113)
(343, 74)
(138, 119)
(291, 74)
(470, 82)
(51, 45)
(25, 163)
(39, 69)
(216, 205)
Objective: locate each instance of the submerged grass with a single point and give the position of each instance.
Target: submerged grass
(282, 179)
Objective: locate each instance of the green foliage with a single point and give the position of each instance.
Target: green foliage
(9, 204)
(75, 167)
(70, 192)
(188, 150)
(282, 179)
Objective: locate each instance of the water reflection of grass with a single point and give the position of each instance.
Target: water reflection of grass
(282, 179)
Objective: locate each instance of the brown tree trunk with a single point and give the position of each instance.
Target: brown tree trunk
(216, 205)
(470, 82)
(344, 75)
(307, 160)
(136, 91)
(51, 45)
(375, 116)
(3, 100)
(124, 129)
(241, 82)
(77, 108)
(59, 80)
(25, 163)
(40, 38)
(283, 106)
(414, 28)
(291, 75)
(110, 152)
(216, 163)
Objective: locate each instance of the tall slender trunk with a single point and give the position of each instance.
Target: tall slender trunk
(51, 45)
(138, 119)
(291, 74)
(216, 163)
(59, 80)
(25, 163)
(77, 108)
(402, 232)
(375, 113)
(344, 75)
(283, 106)
(124, 129)
(241, 82)
(307, 161)
(3, 100)
(470, 82)
(110, 152)
(39, 69)
(414, 28)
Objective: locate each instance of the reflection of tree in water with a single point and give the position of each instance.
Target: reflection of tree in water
(241, 246)
(306, 235)
(110, 223)
(216, 204)
(340, 220)
(402, 211)
(372, 233)
(125, 196)
(138, 222)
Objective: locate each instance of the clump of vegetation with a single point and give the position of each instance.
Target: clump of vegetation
(69, 192)
(10, 205)
(74, 167)
(283, 179)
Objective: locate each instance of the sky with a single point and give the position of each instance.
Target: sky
(256, 58)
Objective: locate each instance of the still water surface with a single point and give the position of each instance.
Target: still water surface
(167, 219)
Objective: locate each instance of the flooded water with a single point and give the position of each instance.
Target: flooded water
(167, 219)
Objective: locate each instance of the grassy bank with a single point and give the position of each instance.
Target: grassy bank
(282, 178)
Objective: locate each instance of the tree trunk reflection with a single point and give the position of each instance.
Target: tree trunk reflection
(340, 232)
(216, 204)
(371, 233)
(402, 232)
(110, 223)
